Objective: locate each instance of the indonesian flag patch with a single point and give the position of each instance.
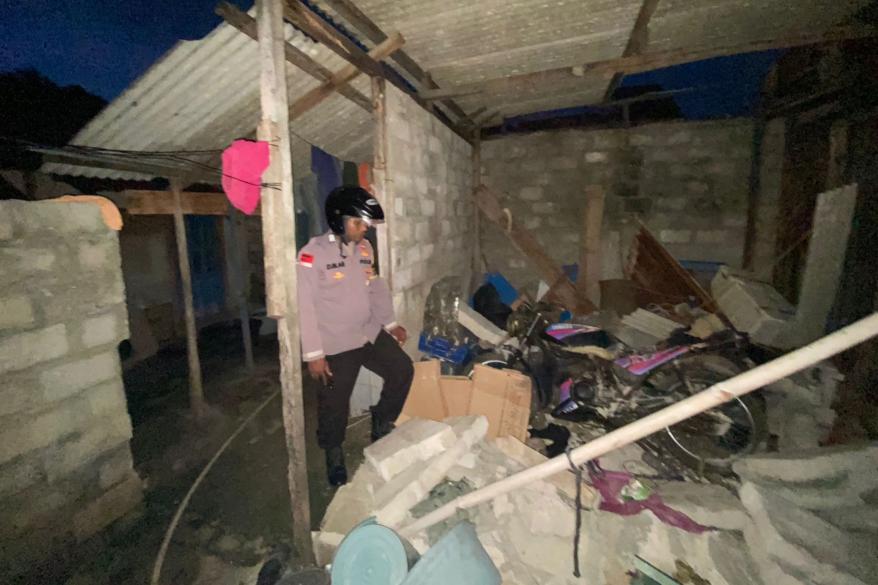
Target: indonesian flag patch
(306, 260)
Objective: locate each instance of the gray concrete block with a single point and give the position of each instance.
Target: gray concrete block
(98, 255)
(24, 350)
(415, 440)
(19, 475)
(34, 217)
(596, 157)
(70, 378)
(22, 435)
(6, 231)
(102, 330)
(109, 507)
(16, 312)
(815, 465)
(711, 236)
(22, 262)
(115, 467)
(708, 504)
(675, 236)
(533, 193)
(800, 540)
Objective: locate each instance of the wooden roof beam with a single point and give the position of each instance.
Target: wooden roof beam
(636, 42)
(312, 24)
(247, 25)
(342, 77)
(660, 60)
(361, 21)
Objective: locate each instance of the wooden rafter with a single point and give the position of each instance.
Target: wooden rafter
(140, 202)
(361, 21)
(342, 77)
(636, 42)
(299, 14)
(648, 62)
(247, 25)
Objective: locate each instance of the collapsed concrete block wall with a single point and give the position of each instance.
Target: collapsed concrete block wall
(65, 462)
(429, 172)
(688, 181)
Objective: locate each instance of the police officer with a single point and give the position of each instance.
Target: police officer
(347, 321)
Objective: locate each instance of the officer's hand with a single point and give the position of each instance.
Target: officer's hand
(399, 333)
(319, 370)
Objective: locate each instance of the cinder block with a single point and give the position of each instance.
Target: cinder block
(675, 236)
(24, 350)
(6, 230)
(531, 193)
(111, 506)
(94, 256)
(563, 162)
(70, 378)
(101, 330)
(28, 434)
(16, 312)
(116, 467)
(21, 262)
(711, 236)
(596, 157)
(428, 207)
(19, 475)
(415, 440)
(108, 399)
(544, 207)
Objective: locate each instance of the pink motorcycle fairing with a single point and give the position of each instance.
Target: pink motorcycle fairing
(643, 364)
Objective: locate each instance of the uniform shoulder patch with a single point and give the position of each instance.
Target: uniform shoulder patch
(306, 260)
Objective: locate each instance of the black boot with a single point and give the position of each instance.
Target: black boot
(380, 428)
(336, 472)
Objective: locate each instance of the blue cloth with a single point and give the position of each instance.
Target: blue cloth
(327, 169)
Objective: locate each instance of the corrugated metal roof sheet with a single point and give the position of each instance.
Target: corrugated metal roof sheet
(205, 93)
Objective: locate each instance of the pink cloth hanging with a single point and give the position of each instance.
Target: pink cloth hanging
(244, 161)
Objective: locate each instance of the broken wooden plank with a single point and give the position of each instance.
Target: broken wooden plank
(247, 25)
(660, 278)
(589, 278)
(636, 42)
(549, 270)
(143, 202)
(342, 77)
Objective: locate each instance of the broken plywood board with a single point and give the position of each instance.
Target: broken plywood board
(659, 277)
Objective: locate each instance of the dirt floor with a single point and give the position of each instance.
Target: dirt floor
(240, 515)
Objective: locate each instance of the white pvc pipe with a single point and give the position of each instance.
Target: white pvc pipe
(715, 395)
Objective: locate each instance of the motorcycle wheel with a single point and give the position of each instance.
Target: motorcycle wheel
(714, 439)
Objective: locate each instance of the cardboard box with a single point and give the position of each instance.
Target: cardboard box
(502, 396)
(456, 392)
(424, 399)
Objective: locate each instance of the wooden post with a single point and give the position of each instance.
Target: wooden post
(235, 262)
(714, 396)
(279, 240)
(589, 278)
(477, 180)
(379, 179)
(196, 392)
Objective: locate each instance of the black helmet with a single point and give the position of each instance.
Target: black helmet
(349, 201)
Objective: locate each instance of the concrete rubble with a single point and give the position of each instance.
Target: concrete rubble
(799, 407)
(797, 518)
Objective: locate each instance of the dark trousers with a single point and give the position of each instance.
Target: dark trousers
(384, 357)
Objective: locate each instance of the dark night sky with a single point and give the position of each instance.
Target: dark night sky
(104, 45)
